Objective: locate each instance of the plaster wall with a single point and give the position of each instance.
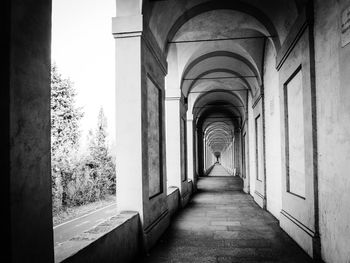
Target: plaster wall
(154, 145)
(190, 152)
(245, 158)
(333, 129)
(183, 144)
(128, 8)
(27, 108)
(173, 200)
(173, 165)
(237, 152)
(258, 142)
(227, 158)
(272, 133)
(156, 216)
(252, 152)
(298, 212)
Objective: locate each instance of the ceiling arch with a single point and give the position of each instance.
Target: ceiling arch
(195, 81)
(217, 54)
(165, 17)
(229, 110)
(217, 99)
(217, 5)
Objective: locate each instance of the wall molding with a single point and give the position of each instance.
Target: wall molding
(257, 100)
(155, 50)
(259, 194)
(260, 199)
(307, 230)
(161, 134)
(150, 227)
(292, 39)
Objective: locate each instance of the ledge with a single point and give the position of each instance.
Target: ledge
(173, 199)
(106, 242)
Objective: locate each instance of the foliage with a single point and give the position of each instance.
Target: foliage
(101, 162)
(65, 117)
(77, 178)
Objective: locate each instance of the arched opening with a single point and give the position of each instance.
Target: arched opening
(218, 119)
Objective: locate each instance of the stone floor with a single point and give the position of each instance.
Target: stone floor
(218, 170)
(224, 225)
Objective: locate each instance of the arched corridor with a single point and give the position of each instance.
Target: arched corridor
(222, 224)
(232, 133)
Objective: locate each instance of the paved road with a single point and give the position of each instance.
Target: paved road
(69, 229)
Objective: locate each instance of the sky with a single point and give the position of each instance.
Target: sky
(83, 50)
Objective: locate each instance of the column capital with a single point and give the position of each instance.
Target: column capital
(173, 94)
(127, 26)
(124, 27)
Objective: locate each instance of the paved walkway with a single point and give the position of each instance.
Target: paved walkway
(219, 170)
(221, 224)
(67, 230)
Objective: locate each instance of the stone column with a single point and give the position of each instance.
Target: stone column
(190, 152)
(237, 152)
(175, 174)
(196, 152)
(233, 156)
(25, 132)
(200, 155)
(140, 142)
(205, 150)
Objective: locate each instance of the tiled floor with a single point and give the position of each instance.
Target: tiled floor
(223, 224)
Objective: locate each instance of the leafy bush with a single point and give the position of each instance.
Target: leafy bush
(77, 178)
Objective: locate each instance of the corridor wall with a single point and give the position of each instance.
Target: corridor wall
(273, 133)
(332, 51)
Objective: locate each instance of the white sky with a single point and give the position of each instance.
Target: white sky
(83, 49)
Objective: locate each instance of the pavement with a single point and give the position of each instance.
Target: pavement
(67, 230)
(219, 170)
(222, 224)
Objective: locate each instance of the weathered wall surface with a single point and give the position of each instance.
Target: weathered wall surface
(272, 133)
(333, 125)
(29, 136)
(252, 154)
(153, 139)
(153, 67)
(173, 200)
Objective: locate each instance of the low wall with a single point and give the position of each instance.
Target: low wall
(173, 200)
(115, 240)
(118, 239)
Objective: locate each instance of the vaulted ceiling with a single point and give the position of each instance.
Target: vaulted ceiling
(215, 51)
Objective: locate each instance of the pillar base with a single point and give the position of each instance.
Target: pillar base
(185, 198)
(259, 199)
(305, 237)
(153, 232)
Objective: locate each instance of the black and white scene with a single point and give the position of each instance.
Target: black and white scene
(175, 131)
